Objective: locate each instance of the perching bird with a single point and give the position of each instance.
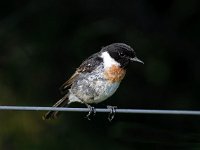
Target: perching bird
(97, 78)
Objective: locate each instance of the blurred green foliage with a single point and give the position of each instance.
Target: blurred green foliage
(42, 42)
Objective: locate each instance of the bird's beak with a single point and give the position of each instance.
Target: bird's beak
(136, 60)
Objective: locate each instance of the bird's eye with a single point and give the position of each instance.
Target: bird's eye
(122, 54)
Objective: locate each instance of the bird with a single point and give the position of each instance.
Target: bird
(97, 78)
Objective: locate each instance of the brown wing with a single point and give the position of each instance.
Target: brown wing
(68, 83)
(86, 67)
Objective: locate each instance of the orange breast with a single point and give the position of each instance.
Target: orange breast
(114, 73)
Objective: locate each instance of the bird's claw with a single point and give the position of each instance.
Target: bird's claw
(111, 115)
(92, 110)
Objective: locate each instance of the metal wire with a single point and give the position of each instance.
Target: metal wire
(136, 111)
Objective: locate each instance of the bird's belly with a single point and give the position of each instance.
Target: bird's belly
(92, 90)
(105, 90)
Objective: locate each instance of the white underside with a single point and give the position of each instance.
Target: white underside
(107, 91)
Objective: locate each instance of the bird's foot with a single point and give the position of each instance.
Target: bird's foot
(92, 110)
(111, 115)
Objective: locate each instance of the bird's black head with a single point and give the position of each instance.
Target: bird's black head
(121, 53)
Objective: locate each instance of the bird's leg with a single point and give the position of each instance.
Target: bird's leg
(111, 115)
(92, 110)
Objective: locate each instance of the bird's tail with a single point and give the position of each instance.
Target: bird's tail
(54, 114)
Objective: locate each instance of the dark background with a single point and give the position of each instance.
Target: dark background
(42, 42)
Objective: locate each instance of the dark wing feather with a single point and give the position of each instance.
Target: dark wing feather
(86, 67)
